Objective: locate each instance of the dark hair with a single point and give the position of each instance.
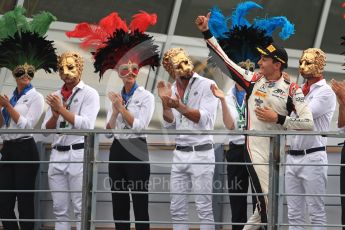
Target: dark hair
(282, 66)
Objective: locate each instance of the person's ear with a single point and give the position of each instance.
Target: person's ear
(277, 65)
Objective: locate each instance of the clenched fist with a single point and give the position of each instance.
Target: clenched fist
(202, 22)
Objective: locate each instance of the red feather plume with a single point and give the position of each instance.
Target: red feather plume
(94, 36)
(142, 21)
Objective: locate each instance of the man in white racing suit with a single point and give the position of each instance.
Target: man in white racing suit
(270, 101)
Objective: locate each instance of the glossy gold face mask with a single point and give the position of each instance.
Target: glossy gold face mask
(24, 71)
(70, 66)
(177, 63)
(312, 62)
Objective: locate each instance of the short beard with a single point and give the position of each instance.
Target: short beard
(310, 76)
(185, 78)
(69, 80)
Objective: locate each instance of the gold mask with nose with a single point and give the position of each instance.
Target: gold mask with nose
(177, 63)
(70, 65)
(312, 62)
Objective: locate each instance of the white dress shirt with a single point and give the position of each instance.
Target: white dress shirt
(232, 106)
(141, 105)
(85, 106)
(201, 98)
(30, 107)
(321, 101)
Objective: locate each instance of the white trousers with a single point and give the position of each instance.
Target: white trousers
(306, 179)
(66, 176)
(197, 178)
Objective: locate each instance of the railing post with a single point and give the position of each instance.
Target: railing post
(38, 196)
(218, 185)
(94, 183)
(87, 181)
(273, 182)
(281, 176)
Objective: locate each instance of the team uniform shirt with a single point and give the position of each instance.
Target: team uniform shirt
(238, 113)
(322, 101)
(30, 107)
(85, 105)
(141, 105)
(198, 95)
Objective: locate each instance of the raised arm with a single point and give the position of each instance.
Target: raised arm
(228, 120)
(239, 75)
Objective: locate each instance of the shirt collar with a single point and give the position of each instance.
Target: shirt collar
(195, 75)
(318, 84)
(80, 85)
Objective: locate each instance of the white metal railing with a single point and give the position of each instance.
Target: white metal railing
(90, 162)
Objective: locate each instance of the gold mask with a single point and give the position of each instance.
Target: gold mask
(70, 65)
(177, 63)
(312, 62)
(24, 71)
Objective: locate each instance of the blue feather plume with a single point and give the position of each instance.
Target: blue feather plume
(270, 24)
(239, 15)
(217, 23)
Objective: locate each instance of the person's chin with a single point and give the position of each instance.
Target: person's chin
(306, 75)
(69, 80)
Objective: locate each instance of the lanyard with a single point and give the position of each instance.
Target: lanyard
(71, 99)
(240, 109)
(186, 95)
(128, 101)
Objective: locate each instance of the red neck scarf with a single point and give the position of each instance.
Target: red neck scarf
(65, 92)
(307, 85)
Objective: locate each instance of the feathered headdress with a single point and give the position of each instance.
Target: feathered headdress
(240, 40)
(24, 42)
(114, 42)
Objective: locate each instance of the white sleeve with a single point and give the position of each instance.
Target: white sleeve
(208, 107)
(89, 109)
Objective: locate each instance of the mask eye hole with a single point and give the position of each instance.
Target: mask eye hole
(124, 72)
(19, 72)
(31, 73)
(70, 67)
(135, 70)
